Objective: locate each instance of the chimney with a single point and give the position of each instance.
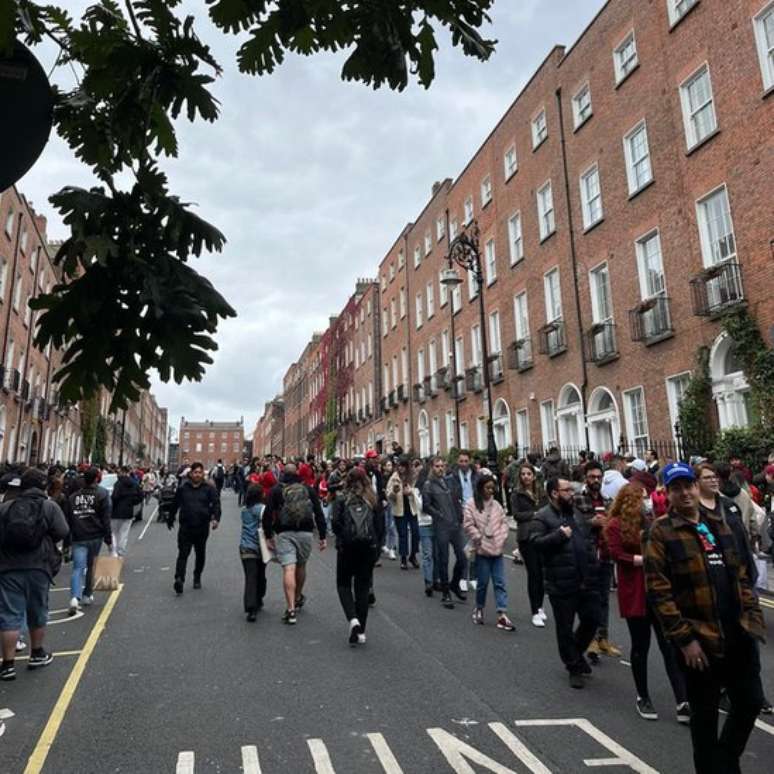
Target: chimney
(436, 187)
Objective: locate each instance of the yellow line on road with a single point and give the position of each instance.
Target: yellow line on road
(766, 602)
(42, 748)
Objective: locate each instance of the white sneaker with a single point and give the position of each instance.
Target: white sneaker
(361, 639)
(385, 551)
(392, 555)
(463, 584)
(472, 585)
(74, 606)
(542, 614)
(87, 600)
(20, 645)
(538, 621)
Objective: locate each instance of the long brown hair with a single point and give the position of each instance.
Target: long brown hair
(534, 491)
(627, 508)
(356, 478)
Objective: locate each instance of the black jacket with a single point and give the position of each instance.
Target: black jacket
(198, 506)
(455, 487)
(88, 514)
(523, 508)
(276, 500)
(438, 501)
(570, 564)
(126, 494)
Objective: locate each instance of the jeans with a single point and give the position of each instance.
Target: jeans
(354, 567)
(491, 567)
(605, 579)
(390, 532)
(446, 535)
(534, 566)
(186, 540)
(255, 582)
(573, 643)
(430, 562)
(739, 671)
(84, 554)
(120, 529)
(404, 525)
(639, 631)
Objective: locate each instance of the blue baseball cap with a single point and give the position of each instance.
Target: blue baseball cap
(676, 470)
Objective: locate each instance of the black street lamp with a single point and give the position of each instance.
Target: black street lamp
(464, 252)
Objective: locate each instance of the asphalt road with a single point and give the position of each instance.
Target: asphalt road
(186, 685)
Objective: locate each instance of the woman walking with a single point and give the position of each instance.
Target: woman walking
(486, 525)
(406, 505)
(629, 521)
(253, 561)
(526, 499)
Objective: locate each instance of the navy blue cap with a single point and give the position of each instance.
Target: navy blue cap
(676, 470)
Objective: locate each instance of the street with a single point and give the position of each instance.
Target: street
(187, 685)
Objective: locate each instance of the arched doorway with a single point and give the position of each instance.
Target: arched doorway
(502, 424)
(569, 417)
(729, 385)
(424, 435)
(604, 422)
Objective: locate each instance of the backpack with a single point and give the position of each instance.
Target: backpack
(358, 522)
(296, 507)
(23, 527)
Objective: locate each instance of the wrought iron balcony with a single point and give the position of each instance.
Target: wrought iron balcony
(383, 405)
(393, 399)
(403, 394)
(520, 354)
(474, 379)
(651, 320)
(551, 338)
(419, 392)
(458, 387)
(601, 345)
(496, 367)
(717, 288)
(444, 378)
(429, 387)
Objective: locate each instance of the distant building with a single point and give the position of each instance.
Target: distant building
(210, 441)
(173, 456)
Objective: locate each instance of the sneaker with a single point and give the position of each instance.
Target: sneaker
(87, 599)
(392, 556)
(447, 601)
(584, 667)
(684, 713)
(300, 601)
(463, 585)
(542, 614)
(289, 617)
(21, 645)
(505, 623)
(646, 710)
(767, 709)
(459, 592)
(478, 616)
(608, 648)
(385, 551)
(403, 565)
(361, 639)
(538, 621)
(428, 589)
(197, 584)
(371, 599)
(8, 672)
(472, 585)
(413, 562)
(178, 586)
(251, 616)
(355, 631)
(576, 681)
(378, 563)
(40, 659)
(74, 606)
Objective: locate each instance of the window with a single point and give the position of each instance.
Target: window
(495, 342)
(515, 241)
(404, 369)
(510, 162)
(638, 170)
(454, 227)
(698, 107)
(419, 310)
(385, 322)
(475, 345)
(402, 297)
(545, 206)
(548, 423)
(384, 282)
(649, 266)
(716, 230)
(539, 129)
(401, 261)
(468, 210)
(417, 256)
(393, 313)
(472, 285)
(428, 242)
(521, 316)
(491, 262)
(430, 297)
(432, 358)
(9, 223)
(445, 351)
(451, 430)
(224, 447)
(436, 441)
(370, 344)
(3, 277)
(456, 297)
(591, 197)
(24, 239)
(198, 447)
(625, 57)
(522, 429)
(27, 314)
(443, 291)
(486, 191)
(553, 294)
(676, 387)
(581, 105)
(764, 37)
(636, 419)
(34, 260)
(459, 354)
(17, 289)
(386, 382)
(464, 437)
(678, 8)
(392, 272)
(440, 228)
(601, 300)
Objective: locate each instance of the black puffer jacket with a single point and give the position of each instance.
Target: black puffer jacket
(570, 564)
(126, 494)
(523, 508)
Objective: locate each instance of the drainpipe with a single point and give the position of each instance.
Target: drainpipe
(574, 256)
(408, 339)
(453, 347)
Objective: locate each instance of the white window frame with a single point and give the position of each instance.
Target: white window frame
(393, 313)
(17, 291)
(765, 54)
(428, 242)
(625, 67)
(418, 309)
(456, 296)
(477, 351)
(707, 252)
(639, 247)
(495, 337)
(417, 256)
(385, 323)
(692, 138)
(539, 126)
(402, 302)
(430, 297)
(401, 259)
(3, 278)
(454, 228)
(675, 14)
(486, 191)
(440, 228)
(490, 261)
(548, 425)
(515, 238)
(459, 354)
(521, 321)
(9, 222)
(392, 272)
(553, 310)
(443, 291)
(510, 161)
(469, 210)
(635, 438)
(472, 285)
(578, 106)
(587, 200)
(594, 287)
(547, 218)
(522, 428)
(631, 175)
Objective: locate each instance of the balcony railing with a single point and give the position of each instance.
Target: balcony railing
(403, 395)
(651, 320)
(496, 367)
(458, 385)
(474, 379)
(551, 339)
(443, 378)
(520, 354)
(383, 405)
(393, 399)
(429, 386)
(717, 288)
(601, 346)
(419, 392)
(25, 390)
(11, 379)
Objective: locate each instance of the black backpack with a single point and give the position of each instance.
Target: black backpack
(358, 522)
(23, 528)
(297, 506)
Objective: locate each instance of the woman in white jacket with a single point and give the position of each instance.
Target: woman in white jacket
(406, 505)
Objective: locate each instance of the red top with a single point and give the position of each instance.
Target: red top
(631, 579)
(660, 503)
(306, 474)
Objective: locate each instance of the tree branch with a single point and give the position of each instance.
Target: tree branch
(133, 19)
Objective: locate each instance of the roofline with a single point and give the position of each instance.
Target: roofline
(584, 31)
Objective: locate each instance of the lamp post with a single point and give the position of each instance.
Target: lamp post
(464, 252)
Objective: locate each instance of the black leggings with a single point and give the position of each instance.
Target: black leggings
(639, 631)
(534, 566)
(255, 582)
(354, 568)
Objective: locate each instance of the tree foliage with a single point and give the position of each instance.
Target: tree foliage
(695, 409)
(128, 301)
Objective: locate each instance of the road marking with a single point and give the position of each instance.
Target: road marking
(55, 655)
(250, 763)
(322, 761)
(6, 713)
(384, 754)
(591, 762)
(769, 729)
(78, 614)
(456, 751)
(766, 602)
(43, 747)
(150, 521)
(185, 763)
(519, 749)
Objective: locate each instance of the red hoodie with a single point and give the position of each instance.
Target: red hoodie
(306, 474)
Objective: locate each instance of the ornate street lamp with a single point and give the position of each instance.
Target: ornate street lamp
(464, 252)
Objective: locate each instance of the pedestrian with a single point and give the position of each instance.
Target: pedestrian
(625, 533)
(358, 524)
(126, 496)
(218, 475)
(613, 478)
(430, 564)
(462, 480)
(569, 556)
(30, 526)
(486, 526)
(253, 561)
(289, 520)
(703, 599)
(405, 503)
(199, 506)
(437, 500)
(525, 501)
(88, 515)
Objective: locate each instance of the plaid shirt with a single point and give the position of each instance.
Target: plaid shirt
(679, 588)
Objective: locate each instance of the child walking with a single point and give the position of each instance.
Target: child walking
(250, 551)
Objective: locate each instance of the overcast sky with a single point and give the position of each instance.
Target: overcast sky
(312, 179)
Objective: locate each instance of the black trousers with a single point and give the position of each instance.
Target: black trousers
(407, 525)
(605, 580)
(255, 582)
(450, 535)
(739, 672)
(186, 540)
(534, 565)
(574, 641)
(354, 575)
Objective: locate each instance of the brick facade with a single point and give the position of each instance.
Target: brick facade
(208, 441)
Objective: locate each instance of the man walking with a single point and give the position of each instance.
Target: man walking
(126, 496)
(566, 542)
(219, 476)
(700, 591)
(289, 519)
(30, 526)
(199, 506)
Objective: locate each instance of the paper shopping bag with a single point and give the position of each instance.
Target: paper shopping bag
(107, 572)
(266, 553)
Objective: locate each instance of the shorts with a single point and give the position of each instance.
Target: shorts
(293, 547)
(23, 597)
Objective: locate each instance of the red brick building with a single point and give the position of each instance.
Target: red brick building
(208, 441)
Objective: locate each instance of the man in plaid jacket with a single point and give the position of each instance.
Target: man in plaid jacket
(701, 595)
